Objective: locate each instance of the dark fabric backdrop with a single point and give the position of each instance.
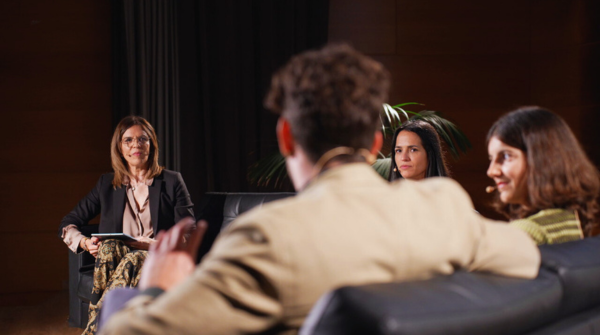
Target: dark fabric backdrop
(236, 47)
(203, 90)
(145, 68)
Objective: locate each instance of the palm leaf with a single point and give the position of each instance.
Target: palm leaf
(406, 104)
(268, 169)
(382, 166)
(272, 168)
(455, 139)
(461, 138)
(393, 118)
(393, 115)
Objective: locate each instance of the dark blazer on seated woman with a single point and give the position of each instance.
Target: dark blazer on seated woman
(140, 198)
(169, 202)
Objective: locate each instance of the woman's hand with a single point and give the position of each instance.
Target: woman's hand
(142, 243)
(92, 245)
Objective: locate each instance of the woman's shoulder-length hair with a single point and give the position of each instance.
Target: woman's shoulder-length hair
(559, 173)
(119, 164)
(436, 162)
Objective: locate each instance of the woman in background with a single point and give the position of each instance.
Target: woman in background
(140, 198)
(546, 184)
(417, 152)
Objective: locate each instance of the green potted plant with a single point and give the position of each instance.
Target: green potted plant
(272, 168)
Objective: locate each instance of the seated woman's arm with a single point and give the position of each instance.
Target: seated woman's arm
(87, 208)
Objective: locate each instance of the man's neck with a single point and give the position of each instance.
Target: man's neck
(302, 170)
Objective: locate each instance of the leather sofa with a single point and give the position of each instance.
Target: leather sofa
(564, 298)
(219, 209)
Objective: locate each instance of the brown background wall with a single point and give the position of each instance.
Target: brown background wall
(56, 123)
(472, 60)
(475, 60)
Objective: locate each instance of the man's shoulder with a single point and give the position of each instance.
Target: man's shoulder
(290, 214)
(312, 203)
(275, 210)
(432, 183)
(441, 187)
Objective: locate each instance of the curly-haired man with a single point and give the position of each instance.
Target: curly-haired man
(346, 226)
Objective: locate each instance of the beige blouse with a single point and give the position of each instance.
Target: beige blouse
(136, 217)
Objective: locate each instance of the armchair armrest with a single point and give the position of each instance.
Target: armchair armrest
(80, 266)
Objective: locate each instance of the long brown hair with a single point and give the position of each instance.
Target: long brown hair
(559, 173)
(119, 164)
(436, 162)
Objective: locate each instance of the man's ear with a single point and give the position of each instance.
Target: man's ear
(377, 143)
(285, 137)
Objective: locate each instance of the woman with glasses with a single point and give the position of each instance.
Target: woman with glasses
(140, 198)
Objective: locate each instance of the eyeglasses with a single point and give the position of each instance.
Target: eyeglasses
(142, 141)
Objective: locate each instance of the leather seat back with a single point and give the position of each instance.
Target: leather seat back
(462, 303)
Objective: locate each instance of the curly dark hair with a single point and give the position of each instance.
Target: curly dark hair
(331, 97)
(559, 173)
(436, 163)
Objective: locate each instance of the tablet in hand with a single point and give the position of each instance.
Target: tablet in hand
(116, 236)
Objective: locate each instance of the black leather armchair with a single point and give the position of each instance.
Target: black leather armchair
(219, 209)
(81, 278)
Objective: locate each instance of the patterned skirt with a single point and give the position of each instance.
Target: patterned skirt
(116, 266)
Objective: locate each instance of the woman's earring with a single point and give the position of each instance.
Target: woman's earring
(395, 169)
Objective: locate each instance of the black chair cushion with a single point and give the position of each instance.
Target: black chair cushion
(86, 283)
(586, 323)
(577, 264)
(220, 209)
(239, 203)
(463, 303)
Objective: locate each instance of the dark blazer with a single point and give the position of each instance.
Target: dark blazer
(169, 202)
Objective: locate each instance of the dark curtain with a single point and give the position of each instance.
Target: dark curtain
(146, 70)
(229, 50)
(199, 71)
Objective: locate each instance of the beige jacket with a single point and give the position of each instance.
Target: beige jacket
(349, 227)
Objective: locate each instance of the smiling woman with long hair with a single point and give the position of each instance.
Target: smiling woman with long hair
(546, 184)
(140, 198)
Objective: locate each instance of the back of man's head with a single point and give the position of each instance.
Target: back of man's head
(331, 97)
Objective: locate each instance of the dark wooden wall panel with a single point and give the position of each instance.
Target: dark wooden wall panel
(556, 24)
(462, 27)
(590, 96)
(369, 25)
(54, 196)
(39, 262)
(475, 60)
(565, 70)
(55, 129)
(467, 59)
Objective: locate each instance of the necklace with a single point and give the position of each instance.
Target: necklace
(134, 183)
